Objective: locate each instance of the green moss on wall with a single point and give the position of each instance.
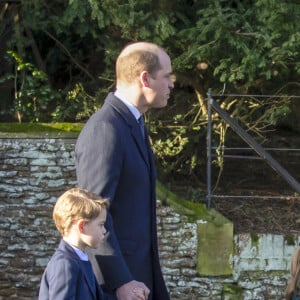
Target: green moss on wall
(215, 248)
(254, 240)
(40, 130)
(232, 292)
(290, 239)
(214, 233)
(40, 127)
(194, 211)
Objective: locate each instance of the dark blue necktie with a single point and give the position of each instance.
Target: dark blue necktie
(142, 125)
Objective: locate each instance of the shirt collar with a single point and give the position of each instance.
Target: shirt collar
(81, 254)
(130, 106)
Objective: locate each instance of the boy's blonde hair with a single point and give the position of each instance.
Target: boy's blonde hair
(77, 204)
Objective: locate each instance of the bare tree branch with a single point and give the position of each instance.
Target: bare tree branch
(67, 52)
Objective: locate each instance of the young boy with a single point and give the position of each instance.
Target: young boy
(79, 216)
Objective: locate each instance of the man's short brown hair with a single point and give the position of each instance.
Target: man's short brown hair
(135, 58)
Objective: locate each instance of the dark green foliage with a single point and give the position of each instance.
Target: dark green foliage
(65, 52)
(33, 94)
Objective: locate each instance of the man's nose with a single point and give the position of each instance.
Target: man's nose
(171, 84)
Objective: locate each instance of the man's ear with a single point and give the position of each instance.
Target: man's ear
(144, 77)
(80, 225)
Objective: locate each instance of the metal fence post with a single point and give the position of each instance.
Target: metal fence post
(208, 148)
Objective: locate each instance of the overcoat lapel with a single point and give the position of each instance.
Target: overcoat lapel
(125, 113)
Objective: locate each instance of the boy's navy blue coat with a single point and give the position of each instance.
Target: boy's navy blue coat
(65, 278)
(113, 161)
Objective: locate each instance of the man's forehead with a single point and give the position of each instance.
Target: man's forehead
(165, 62)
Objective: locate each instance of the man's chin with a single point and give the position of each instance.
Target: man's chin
(161, 104)
(164, 103)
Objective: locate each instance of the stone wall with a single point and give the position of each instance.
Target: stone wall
(33, 172)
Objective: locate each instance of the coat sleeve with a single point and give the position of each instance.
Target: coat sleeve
(98, 155)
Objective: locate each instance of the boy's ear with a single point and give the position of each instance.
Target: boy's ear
(80, 225)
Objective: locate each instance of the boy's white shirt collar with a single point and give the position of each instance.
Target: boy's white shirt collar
(81, 254)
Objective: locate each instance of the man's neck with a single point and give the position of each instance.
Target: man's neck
(129, 94)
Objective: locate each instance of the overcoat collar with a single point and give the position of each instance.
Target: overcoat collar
(131, 121)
